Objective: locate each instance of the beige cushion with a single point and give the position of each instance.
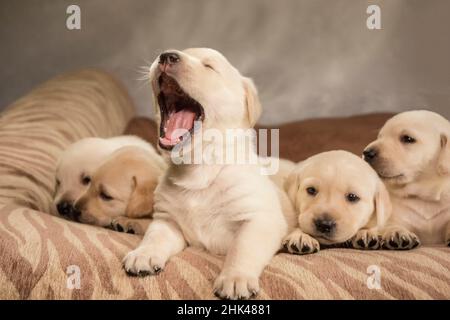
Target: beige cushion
(37, 250)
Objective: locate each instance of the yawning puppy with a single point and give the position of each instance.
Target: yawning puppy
(77, 164)
(228, 209)
(121, 191)
(412, 156)
(338, 197)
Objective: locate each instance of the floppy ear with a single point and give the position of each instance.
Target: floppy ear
(291, 186)
(444, 156)
(254, 108)
(140, 203)
(383, 206)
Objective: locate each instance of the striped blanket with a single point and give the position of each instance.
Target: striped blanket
(45, 257)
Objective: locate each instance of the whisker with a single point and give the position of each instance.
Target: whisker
(143, 72)
(142, 84)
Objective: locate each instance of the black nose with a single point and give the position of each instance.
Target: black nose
(370, 154)
(64, 208)
(325, 225)
(169, 57)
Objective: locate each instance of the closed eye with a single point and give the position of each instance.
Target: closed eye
(106, 197)
(57, 186)
(209, 66)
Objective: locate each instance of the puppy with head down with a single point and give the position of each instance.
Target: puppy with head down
(78, 163)
(338, 197)
(412, 156)
(121, 191)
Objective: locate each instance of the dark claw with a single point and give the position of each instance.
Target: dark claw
(157, 269)
(393, 244)
(294, 247)
(218, 295)
(253, 294)
(143, 273)
(129, 273)
(373, 242)
(119, 228)
(306, 248)
(360, 242)
(416, 243)
(405, 242)
(130, 231)
(315, 250)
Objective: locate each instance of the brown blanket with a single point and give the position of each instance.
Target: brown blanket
(42, 256)
(302, 139)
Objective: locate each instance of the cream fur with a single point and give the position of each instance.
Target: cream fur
(417, 178)
(229, 210)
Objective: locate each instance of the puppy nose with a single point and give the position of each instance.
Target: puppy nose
(370, 154)
(64, 208)
(169, 57)
(325, 225)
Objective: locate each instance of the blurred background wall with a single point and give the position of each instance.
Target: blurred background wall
(309, 58)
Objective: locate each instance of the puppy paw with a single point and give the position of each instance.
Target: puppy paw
(143, 261)
(366, 239)
(122, 224)
(128, 225)
(399, 239)
(299, 242)
(236, 286)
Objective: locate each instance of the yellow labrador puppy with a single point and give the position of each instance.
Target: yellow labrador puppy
(412, 156)
(121, 191)
(338, 197)
(77, 164)
(228, 209)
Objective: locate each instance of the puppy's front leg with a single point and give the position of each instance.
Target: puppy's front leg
(162, 240)
(255, 244)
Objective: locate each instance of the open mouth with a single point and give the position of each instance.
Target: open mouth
(179, 113)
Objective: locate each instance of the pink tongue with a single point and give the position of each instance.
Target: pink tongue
(182, 120)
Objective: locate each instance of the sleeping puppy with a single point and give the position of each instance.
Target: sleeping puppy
(121, 191)
(227, 209)
(412, 156)
(338, 197)
(77, 164)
